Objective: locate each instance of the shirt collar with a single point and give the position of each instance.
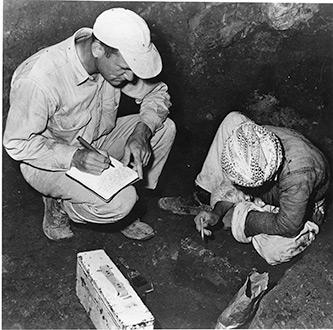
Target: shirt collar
(79, 71)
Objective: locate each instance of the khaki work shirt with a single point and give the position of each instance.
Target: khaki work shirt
(53, 100)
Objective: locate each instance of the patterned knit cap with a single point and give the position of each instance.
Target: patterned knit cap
(251, 155)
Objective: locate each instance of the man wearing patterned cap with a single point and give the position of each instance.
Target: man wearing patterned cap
(73, 89)
(248, 166)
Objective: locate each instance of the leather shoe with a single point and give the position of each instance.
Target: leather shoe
(56, 221)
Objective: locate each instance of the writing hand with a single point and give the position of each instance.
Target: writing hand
(90, 161)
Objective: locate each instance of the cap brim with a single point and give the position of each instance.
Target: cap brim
(146, 65)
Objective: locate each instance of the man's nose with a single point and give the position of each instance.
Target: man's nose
(129, 75)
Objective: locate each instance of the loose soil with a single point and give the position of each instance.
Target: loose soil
(39, 275)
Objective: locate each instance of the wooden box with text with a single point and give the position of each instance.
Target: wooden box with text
(107, 295)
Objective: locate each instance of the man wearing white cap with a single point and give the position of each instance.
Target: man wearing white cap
(73, 89)
(267, 183)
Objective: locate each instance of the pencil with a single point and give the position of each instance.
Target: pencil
(90, 147)
(202, 229)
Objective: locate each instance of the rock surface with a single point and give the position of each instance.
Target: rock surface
(275, 63)
(303, 297)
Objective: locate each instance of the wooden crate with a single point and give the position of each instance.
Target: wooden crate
(107, 295)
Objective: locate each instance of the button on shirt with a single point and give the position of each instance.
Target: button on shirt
(54, 100)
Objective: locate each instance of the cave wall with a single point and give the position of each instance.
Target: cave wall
(270, 60)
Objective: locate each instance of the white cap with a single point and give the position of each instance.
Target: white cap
(125, 30)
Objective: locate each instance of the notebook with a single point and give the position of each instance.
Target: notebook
(109, 183)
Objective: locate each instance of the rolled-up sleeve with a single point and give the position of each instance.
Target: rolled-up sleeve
(25, 138)
(154, 101)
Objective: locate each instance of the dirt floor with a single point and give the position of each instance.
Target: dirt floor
(39, 276)
(284, 71)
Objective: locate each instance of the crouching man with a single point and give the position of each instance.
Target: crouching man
(73, 89)
(266, 183)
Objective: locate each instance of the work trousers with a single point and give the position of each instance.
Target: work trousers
(211, 174)
(81, 204)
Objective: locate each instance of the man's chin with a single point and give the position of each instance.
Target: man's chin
(118, 84)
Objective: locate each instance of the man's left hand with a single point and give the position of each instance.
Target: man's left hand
(227, 219)
(138, 149)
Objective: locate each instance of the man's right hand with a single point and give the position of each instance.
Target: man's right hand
(89, 161)
(205, 219)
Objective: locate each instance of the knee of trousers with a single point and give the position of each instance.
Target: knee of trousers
(104, 213)
(125, 201)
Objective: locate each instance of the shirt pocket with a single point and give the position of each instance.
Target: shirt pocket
(66, 125)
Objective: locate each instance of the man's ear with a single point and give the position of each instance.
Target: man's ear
(97, 49)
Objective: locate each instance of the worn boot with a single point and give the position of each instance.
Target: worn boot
(56, 221)
(189, 205)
